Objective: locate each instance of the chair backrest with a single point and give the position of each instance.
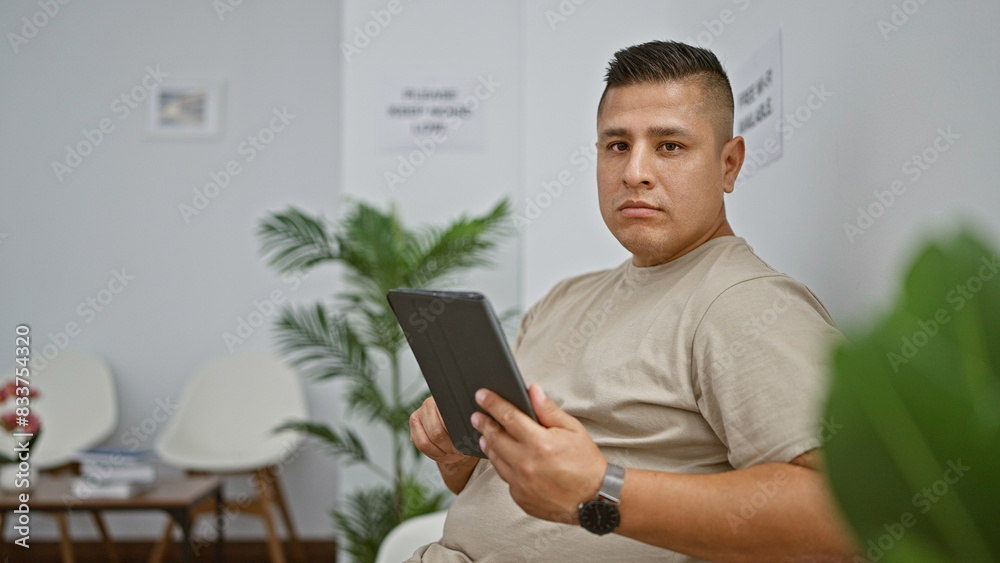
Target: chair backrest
(77, 405)
(405, 538)
(227, 414)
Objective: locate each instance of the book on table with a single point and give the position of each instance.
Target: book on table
(114, 473)
(139, 473)
(114, 456)
(86, 488)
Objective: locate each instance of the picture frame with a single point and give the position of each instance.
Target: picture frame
(185, 110)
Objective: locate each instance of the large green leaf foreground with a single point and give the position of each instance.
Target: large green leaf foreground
(916, 464)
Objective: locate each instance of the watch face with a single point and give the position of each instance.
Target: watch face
(599, 516)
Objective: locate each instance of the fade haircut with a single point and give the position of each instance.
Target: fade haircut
(669, 61)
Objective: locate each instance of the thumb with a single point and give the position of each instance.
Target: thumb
(548, 413)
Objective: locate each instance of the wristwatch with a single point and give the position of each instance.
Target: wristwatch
(600, 515)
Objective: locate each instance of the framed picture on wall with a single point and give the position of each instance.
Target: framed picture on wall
(185, 110)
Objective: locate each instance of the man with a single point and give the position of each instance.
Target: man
(682, 388)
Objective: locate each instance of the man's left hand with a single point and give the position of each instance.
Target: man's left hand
(550, 467)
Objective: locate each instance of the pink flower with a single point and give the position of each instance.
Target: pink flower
(9, 422)
(9, 391)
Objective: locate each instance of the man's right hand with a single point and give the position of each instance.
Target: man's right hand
(429, 434)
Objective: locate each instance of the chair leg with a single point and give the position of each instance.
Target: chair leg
(160, 549)
(286, 516)
(267, 501)
(3, 528)
(109, 546)
(65, 545)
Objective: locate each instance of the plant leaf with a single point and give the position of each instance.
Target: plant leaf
(919, 400)
(370, 514)
(294, 242)
(365, 396)
(345, 443)
(367, 518)
(464, 244)
(418, 498)
(321, 345)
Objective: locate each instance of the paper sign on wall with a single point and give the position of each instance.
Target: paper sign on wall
(447, 114)
(757, 93)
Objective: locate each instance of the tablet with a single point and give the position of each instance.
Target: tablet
(460, 347)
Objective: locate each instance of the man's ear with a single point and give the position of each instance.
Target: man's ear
(731, 159)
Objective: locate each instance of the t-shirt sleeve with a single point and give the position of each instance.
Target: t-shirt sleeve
(759, 368)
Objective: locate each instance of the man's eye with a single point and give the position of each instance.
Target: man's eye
(671, 146)
(618, 147)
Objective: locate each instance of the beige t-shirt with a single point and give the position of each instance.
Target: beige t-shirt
(710, 362)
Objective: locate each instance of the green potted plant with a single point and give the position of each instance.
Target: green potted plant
(358, 339)
(915, 464)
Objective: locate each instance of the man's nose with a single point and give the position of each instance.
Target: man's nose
(638, 172)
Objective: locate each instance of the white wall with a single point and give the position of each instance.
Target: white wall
(118, 210)
(938, 70)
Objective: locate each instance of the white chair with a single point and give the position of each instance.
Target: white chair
(405, 538)
(78, 408)
(77, 405)
(224, 424)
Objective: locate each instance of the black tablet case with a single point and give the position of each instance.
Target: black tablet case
(460, 347)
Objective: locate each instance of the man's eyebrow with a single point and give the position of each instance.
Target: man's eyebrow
(614, 132)
(653, 131)
(667, 132)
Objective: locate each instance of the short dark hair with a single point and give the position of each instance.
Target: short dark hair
(671, 61)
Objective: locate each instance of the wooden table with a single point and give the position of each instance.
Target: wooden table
(177, 497)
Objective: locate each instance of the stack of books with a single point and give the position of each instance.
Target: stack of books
(114, 473)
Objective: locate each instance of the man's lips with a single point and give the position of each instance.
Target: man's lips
(632, 208)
